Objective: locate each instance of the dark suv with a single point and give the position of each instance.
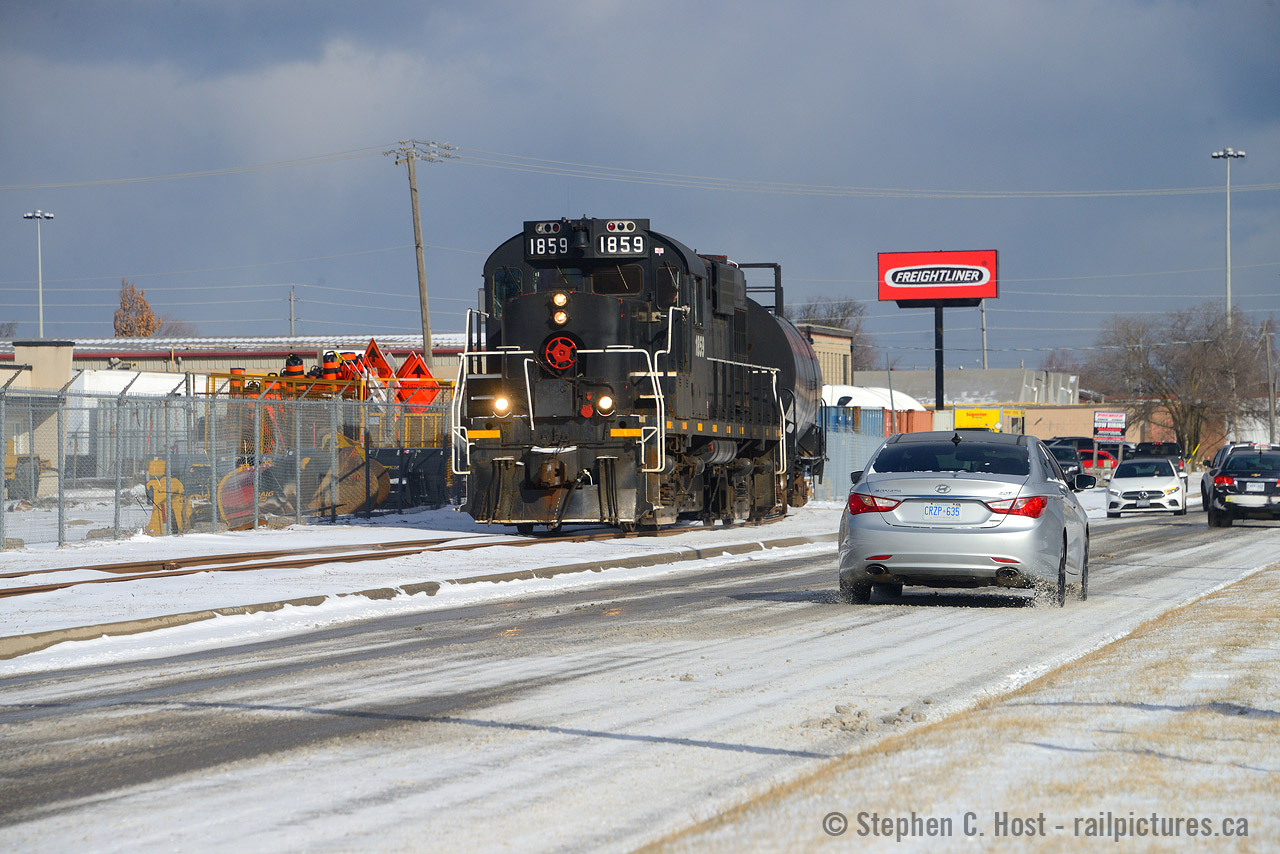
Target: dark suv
(1068, 460)
(1212, 464)
(1172, 450)
(1246, 486)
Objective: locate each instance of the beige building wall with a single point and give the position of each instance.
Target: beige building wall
(21, 381)
(50, 362)
(834, 349)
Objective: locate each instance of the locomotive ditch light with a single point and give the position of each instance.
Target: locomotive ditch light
(501, 406)
(604, 405)
(560, 318)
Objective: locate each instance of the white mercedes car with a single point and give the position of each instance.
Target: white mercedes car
(1146, 485)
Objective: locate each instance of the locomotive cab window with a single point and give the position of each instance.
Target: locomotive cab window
(667, 284)
(557, 279)
(506, 286)
(619, 279)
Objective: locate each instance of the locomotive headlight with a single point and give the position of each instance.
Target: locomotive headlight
(501, 406)
(559, 299)
(604, 405)
(560, 318)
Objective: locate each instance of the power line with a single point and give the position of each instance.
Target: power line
(230, 170)
(254, 266)
(483, 158)
(522, 163)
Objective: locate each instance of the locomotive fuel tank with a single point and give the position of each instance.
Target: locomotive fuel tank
(777, 343)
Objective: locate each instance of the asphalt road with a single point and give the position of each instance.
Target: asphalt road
(601, 717)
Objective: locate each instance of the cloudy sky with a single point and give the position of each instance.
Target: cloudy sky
(220, 154)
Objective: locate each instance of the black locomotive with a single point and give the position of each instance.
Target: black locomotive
(615, 375)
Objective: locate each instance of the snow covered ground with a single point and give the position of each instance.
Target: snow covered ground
(108, 603)
(1167, 740)
(610, 726)
(112, 603)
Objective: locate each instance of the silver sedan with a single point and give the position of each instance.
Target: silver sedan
(963, 509)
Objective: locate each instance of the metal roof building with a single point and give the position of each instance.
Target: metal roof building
(56, 362)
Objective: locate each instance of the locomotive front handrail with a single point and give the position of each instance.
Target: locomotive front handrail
(759, 368)
(528, 393)
(459, 431)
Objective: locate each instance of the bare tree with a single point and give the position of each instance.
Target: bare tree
(134, 318)
(1070, 362)
(170, 328)
(8, 329)
(839, 314)
(1185, 370)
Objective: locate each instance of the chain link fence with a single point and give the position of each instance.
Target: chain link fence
(81, 467)
(852, 435)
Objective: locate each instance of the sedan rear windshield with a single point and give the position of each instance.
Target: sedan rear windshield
(1253, 462)
(945, 456)
(1146, 468)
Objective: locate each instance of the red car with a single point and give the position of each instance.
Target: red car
(1096, 465)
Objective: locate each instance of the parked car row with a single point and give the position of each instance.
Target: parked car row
(1101, 457)
(1116, 450)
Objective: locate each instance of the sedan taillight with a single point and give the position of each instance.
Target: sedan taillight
(1031, 507)
(1224, 480)
(861, 503)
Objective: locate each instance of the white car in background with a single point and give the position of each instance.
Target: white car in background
(1146, 485)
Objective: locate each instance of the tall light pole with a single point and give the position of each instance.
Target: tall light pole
(37, 216)
(1228, 154)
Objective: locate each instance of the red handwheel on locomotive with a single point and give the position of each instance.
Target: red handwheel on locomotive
(613, 375)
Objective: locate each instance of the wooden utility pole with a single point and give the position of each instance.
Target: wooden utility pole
(1271, 394)
(409, 152)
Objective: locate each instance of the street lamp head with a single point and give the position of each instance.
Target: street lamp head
(37, 215)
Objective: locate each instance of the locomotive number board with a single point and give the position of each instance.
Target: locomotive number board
(556, 240)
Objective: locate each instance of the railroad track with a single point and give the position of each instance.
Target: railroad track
(305, 558)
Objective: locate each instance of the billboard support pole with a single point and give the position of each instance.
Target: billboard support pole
(939, 402)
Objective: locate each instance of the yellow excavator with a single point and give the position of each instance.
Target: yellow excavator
(336, 478)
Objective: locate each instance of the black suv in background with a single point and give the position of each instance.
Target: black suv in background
(1212, 464)
(1172, 450)
(1246, 486)
(1068, 460)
